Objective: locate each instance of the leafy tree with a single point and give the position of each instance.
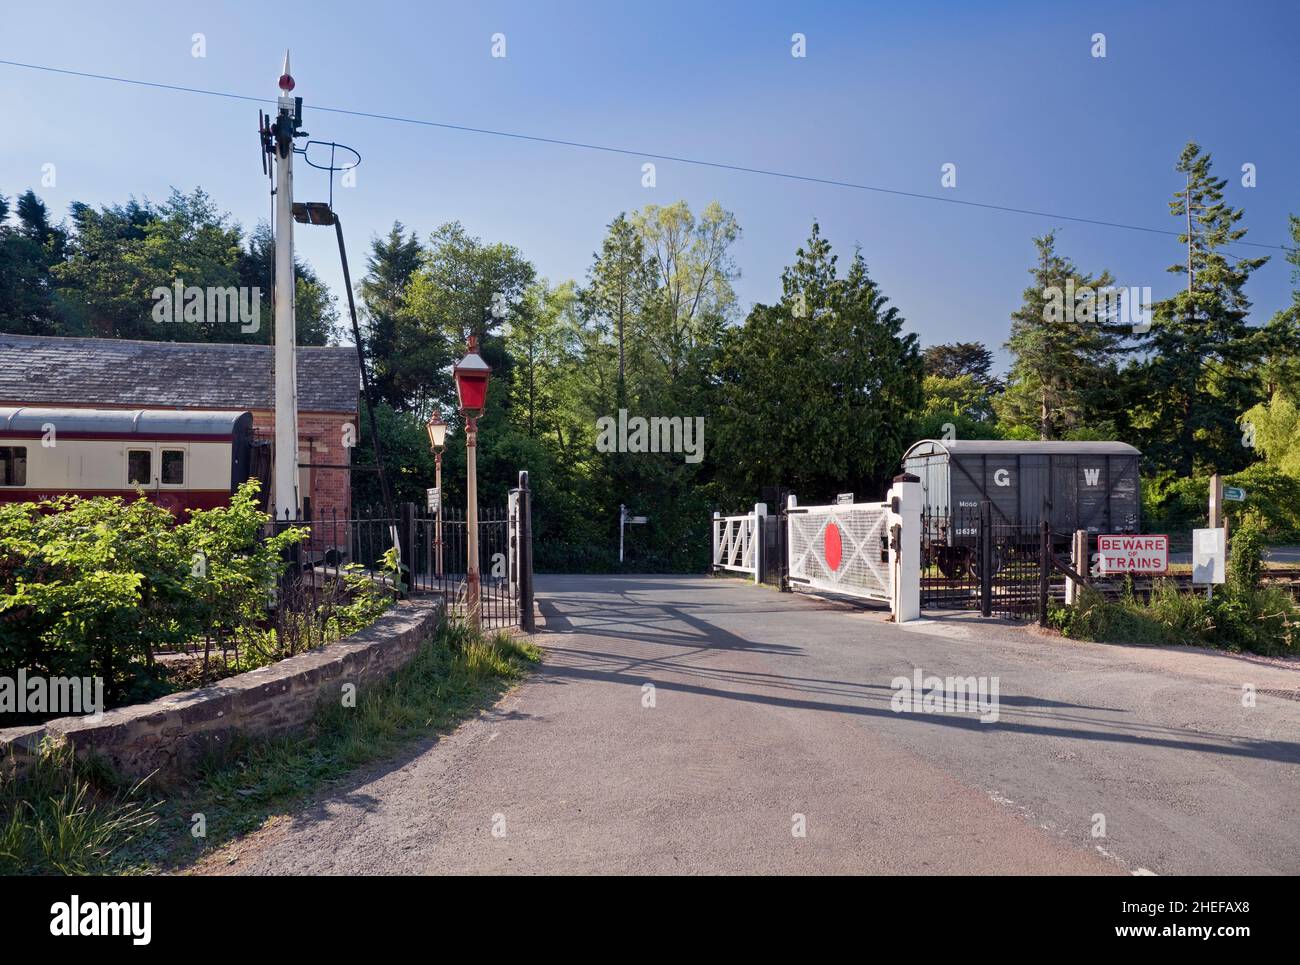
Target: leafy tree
(953, 360)
(691, 263)
(542, 343)
(619, 285)
(463, 287)
(813, 386)
(315, 309)
(27, 252)
(393, 260)
(1197, 374)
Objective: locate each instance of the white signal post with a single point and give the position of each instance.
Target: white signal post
(285, 481)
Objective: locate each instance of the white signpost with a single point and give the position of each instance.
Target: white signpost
(1133, 554)
(625, 520)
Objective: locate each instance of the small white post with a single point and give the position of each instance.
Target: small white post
(760, 510)
(905, 551)
(717, 538)
(622, 518)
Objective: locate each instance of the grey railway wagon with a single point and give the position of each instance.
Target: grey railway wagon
(1088, 485)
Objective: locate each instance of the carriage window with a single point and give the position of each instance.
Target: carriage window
(139, 467)
(13, 465)
(173, 467)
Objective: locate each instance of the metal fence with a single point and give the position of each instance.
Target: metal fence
(433, 554)
(973, 559)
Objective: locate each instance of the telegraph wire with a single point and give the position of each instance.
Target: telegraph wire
(583, 145)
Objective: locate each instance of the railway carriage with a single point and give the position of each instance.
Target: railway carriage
(180, 459)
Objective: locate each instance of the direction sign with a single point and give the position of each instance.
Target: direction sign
(1234, 494)
(638, 519)
(844, 499)
(1133, 554)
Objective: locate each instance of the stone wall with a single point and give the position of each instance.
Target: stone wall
(167, 734)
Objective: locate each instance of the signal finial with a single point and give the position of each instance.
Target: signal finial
(286, 81)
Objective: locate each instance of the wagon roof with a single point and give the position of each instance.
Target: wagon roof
(1013, 447)
(142, 422)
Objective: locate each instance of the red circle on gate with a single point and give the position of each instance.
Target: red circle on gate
(834, 546)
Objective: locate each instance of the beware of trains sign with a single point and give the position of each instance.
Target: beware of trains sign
(1133, 554)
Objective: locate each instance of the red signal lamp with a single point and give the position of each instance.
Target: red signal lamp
(472, 375)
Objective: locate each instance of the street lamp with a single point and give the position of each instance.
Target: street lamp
(438, 440)
(471, 374)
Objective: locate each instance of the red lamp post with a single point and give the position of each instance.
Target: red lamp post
(438, 441)
(472, 374)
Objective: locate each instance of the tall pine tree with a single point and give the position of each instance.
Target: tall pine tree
(1063, 341)
(1198, 372)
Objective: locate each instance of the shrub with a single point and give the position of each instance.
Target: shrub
(1260, 620)
(95, 587)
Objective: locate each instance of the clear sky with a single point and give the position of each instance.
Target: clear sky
(887, 93)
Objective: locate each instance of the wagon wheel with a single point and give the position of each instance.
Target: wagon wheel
(996, 556)
(952, 561)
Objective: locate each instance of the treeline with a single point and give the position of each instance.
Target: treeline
(819, 392)
(97, 273)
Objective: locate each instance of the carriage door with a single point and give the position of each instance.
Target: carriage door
(160, 470)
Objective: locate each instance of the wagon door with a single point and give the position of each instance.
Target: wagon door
(1035, 487)
(1065, 493)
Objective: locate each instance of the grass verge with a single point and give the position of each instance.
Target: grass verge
(1261, 620)
(73, 817)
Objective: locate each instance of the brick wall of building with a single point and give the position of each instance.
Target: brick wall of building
(321, 438)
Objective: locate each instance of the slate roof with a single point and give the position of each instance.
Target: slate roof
(37, 370)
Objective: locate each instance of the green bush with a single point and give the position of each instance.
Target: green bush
(1262, 620)
(1246, 559)
(95, 587)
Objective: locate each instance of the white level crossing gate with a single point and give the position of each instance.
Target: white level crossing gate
(841, 549)
(737, 541)
(867, 550)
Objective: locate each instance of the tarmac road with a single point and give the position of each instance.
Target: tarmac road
(772, 713)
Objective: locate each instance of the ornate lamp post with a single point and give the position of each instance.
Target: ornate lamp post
(471, 374)
(438, 440)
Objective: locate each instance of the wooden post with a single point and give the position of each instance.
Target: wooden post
(1079, 559)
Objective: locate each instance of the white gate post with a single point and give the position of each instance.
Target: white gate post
(717, 538)
(760, 510)
(905, 550)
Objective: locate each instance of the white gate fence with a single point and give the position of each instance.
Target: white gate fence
(841, 548)
(866, 550)
(738, 542)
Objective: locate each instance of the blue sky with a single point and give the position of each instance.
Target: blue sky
(887, 94)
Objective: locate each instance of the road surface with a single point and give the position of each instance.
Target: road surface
(691, 724)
